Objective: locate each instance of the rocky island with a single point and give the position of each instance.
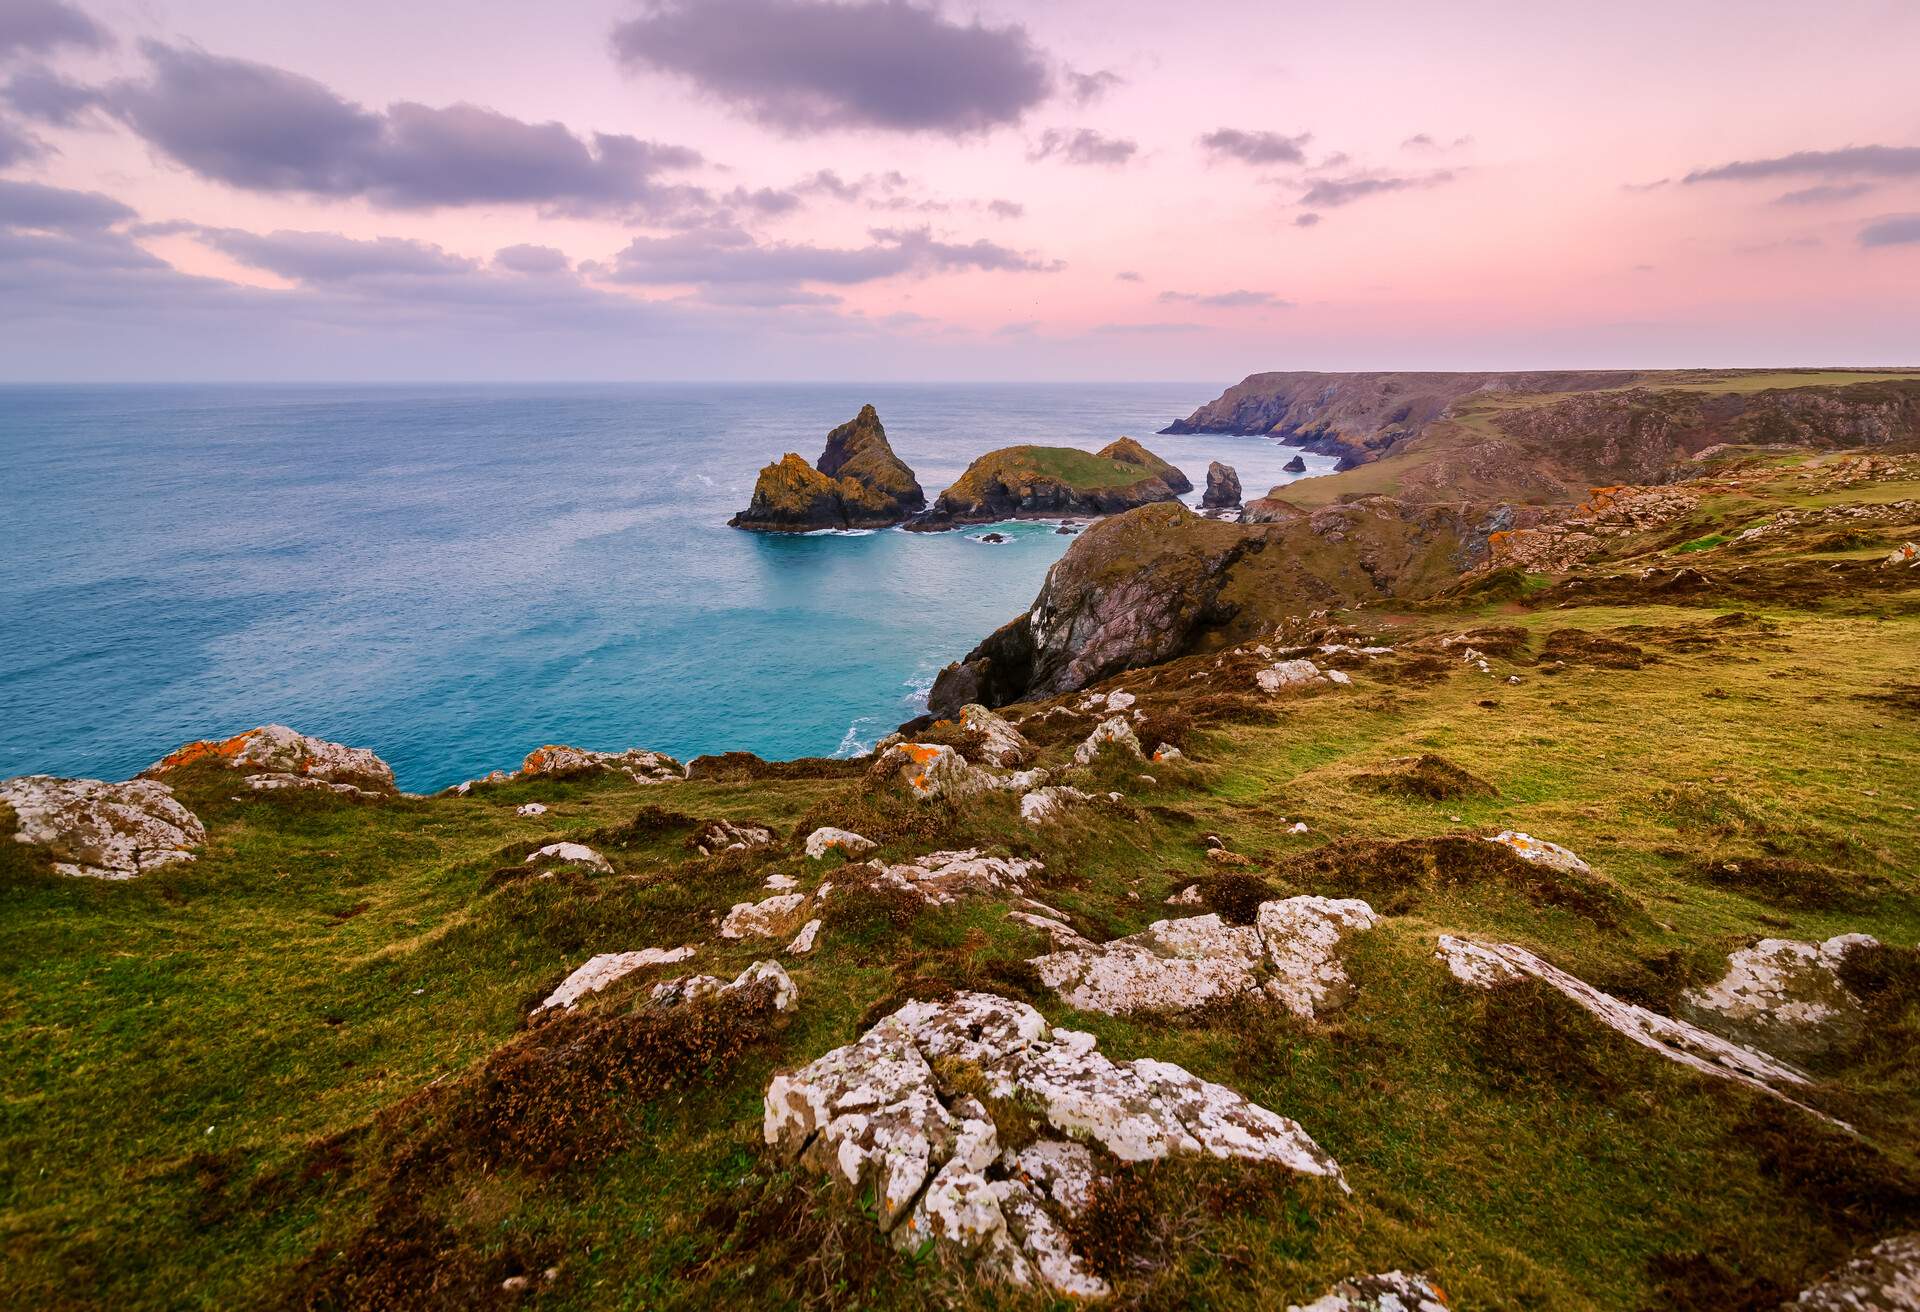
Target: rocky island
(1042, 482)
(858, 482)
(1442, 891)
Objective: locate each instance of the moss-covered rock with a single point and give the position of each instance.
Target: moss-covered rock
(858, 482)
(1035, 482)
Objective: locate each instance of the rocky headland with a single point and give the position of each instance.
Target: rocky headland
(1046, 482)
(858, 482)
(1395, 900)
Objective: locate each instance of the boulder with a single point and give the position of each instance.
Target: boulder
(844, 841)
(1784, 997)
(1223, 487)
(887, 1116)
(274, 749)
(1297, 465)
(1907, 553)
(101, 830)
(770, 918)
(941, 877)
(858, 482)
(1001, 743)
(530, 809)
(603, 970)
(1541, 853)
(1296, 673)
(691, 988)
(1886, 1278)
(1043, 806)
(930, 771)
(803, 942)
(1116, 734)
(1393, 1291)
(1289, 954)
(555, 761)
(569, 854)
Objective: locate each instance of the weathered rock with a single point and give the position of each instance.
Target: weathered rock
(1784, 997)
(276, 749)
(883, 1114)
(828, 839)
(803, 942)
(570, 854)
(858, 482)
(1485, 965)
(726, 836)
(603, 970)
(1886, 1278)
(931, 771)
(1223, 487)
(769, 918)
(1393, 1291)
(1044, 806)
(1297, 465)
(275, 783)
(1289, 953)
(1296, 673)
(691, 988)
(1116, 734)
(941, 877)
(1542, 853)
(1002, 744)
(102, 830)
(1907, 553)
(558, 762)
(530, 809)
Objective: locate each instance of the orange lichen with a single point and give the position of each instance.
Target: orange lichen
(206, 748)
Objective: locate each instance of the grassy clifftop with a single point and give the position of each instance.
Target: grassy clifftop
(300, 1071)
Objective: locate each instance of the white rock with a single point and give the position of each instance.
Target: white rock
(780, 883)
(766, 919)
(691, 988)
(828, 839)
(1116, 733)
(1296, 673)
(276, 749)
(603, 970)
(1187, 897)
(1302, 936)
(1394, 1291)
(726, 836)
(1119, 701)
(1540, 852)
(1886, 1278)
(1043, 806)
(275, 783)
(1168, 752)
(933, 770)
(557, 761)
(803, 941)
(1003, 744)
(1297, 827)
(1064, 936)
(940, 877)
(1783, 996)
(531, 808)
(1483, 965)
(1340, 677)
(569, 854)
(102, 830)
(876, 1114)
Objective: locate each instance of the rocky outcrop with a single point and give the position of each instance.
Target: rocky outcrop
(942, 877)
(844, 841)
(1391, 1291)
(100, 830)
(1223, 487)
(898, 1117)
(1297, 465)
(1886, 1278)
(275, 750)
(1540, 852)
(1045, 482)
(931, 771)
(726, 836)
(606, 969)
(555, 856)
(1289, 954)
(555, 761)
(858, 482)
(1784, 997)
(773, 917)
(692, 988)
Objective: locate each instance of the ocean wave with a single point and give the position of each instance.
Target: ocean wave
(851, 743)
(840, 533)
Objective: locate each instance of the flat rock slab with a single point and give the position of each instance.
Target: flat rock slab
(102, 830)
(1289, 954)
(605, 969)
(569, 854)
(885, 1114)
(942, 877)
(1541, 853)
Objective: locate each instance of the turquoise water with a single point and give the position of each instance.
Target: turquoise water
(453, 575)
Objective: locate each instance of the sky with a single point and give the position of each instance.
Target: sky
(897, 189)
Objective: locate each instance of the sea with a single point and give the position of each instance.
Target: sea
(453, 575)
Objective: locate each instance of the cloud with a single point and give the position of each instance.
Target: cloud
(801, 66)
(1328, 193)
(719, 256)
(1131, 329)
(264, 129)
(17, 145)
(33, 205)
(1655, 185)
(1085, 88)
(1236, 300)
(526, 258)
(1307, 220)
(42, 94)
(1127, 275)
(1257, 147)
(1426, 141)
(1021, 328)
(1847, 162)
(40, 25)
(327, 257)
(1824, 194)
(1895, 230)
(1006, 209)
(1083, 146)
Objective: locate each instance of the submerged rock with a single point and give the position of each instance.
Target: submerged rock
(1223, 487)
(1289, 954)
(100, 830)
(1393, 1291)
(885, 1115)
(858, 482)
(1297, 465)
(274, 749)
(1784, 997)
(605, 969)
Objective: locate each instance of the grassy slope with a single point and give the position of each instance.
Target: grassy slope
(177, 1046)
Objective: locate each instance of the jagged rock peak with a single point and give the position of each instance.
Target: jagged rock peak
(1223, 487)
(858, 482)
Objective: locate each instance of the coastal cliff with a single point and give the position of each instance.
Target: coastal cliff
(1028, 482)
(858, 482)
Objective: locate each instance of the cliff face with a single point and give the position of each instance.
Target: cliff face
(859, 483)
(1043, 481)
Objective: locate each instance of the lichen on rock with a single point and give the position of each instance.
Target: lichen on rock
(102, 830)
(274, 749)
(1784, 997)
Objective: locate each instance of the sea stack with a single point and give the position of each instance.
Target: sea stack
(1041, 482)
(858, 482)
(1297, 465)
(1223, 488)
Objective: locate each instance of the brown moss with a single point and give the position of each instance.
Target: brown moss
(1394, 875)
(1528, 1038)
(1427, 776)
(745, 767)
(1118, 1231)
(406, 1260)
(1236, 896)
(1848, 1178)
(1584, 647)
(1789, 882)
(1693, 1280)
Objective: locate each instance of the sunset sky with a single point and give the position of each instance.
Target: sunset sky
(874, 189)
